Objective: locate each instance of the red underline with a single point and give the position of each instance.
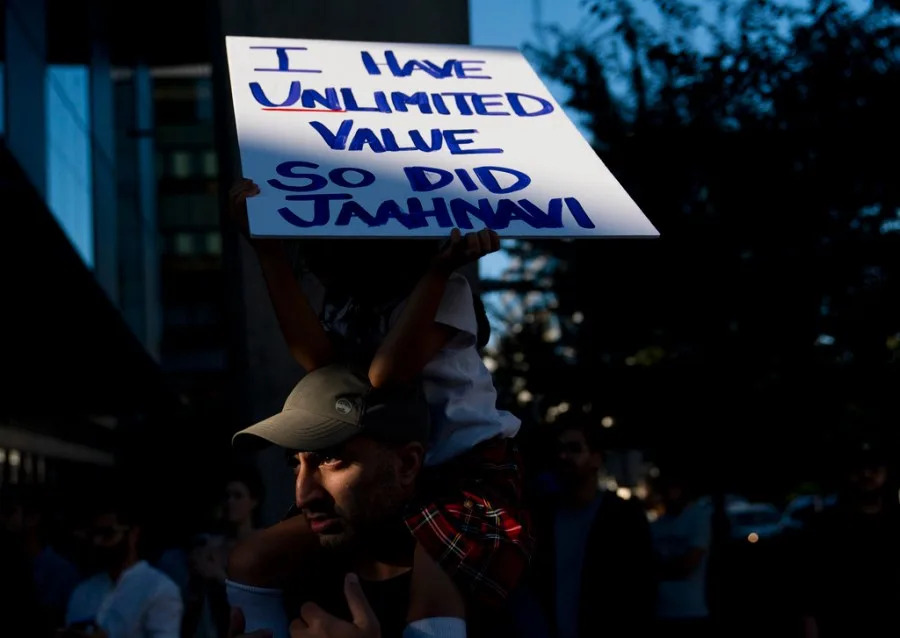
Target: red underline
(306, 110)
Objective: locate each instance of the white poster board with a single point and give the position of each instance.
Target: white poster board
(356, 139)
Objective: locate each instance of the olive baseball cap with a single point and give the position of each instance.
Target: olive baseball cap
(335, 403)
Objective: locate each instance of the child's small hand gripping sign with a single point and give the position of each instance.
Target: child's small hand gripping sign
(461, 249)
(237, 204)
(314, 622)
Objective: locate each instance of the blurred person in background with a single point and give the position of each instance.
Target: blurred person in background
(594, 564)
(682, 535)
(126, 598)
(21, 609)
(206, 607)
(30, 519)
(852, 568)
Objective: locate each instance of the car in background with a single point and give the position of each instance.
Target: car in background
(753, 522)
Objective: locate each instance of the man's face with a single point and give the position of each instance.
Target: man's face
(111, 541)
(575, 460)
(355, 488)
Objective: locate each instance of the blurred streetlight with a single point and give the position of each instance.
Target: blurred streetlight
(607, 422)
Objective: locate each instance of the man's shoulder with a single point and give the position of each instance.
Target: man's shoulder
(86, 594)
(154, 581)
(92, 583)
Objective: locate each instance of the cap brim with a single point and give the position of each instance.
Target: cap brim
(296, 429)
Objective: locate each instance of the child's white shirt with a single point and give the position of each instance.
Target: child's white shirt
(457, 385)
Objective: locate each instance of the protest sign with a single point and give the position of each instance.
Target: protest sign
(365, 139)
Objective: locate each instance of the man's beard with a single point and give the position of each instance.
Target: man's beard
(569, 476)
(110, 557)
(369, 517)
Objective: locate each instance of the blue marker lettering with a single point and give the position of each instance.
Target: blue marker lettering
(480, 105)
(439, 105)
(462, 208)
(578, 213)
(365, 136)
(260, 96)
(390, 142)
(336, 141)
(418, 178)
(462, 72)
(353, 209)
(439, 212)
(552, 218)
(390, 209)
(330, 100)
(486, 176)
(508, 210)
(321, 213)
(337, 176)
(453, 144)
(461, 103)
(284, 65)
(437, 140)
(515, 101)
(408, 68)
(400, 101)
(287, 169)
(466, 180)
(350, 103)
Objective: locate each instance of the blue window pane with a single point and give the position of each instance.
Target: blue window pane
(69, 179)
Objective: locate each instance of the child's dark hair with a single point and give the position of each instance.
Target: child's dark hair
(370, 270)
(374, 273)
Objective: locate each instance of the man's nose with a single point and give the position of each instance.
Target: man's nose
(307, 488)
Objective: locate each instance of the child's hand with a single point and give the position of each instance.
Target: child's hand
(464, 249)
(237, 204)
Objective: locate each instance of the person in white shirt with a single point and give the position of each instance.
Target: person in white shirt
(681, 541)
(128, 598)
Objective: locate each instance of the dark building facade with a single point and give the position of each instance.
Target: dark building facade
(139, 333)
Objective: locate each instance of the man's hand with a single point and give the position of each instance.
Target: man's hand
(237, 624)
(464, 249)
(314, 622)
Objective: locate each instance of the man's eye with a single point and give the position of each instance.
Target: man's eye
(328, 460)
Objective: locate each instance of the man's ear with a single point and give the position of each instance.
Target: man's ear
(412, 459)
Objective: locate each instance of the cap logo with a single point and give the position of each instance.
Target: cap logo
(343, 406)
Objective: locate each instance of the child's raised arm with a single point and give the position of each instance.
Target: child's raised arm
(416, 337)
(300, 326)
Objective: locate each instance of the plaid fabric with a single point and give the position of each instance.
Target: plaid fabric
(471, 519)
